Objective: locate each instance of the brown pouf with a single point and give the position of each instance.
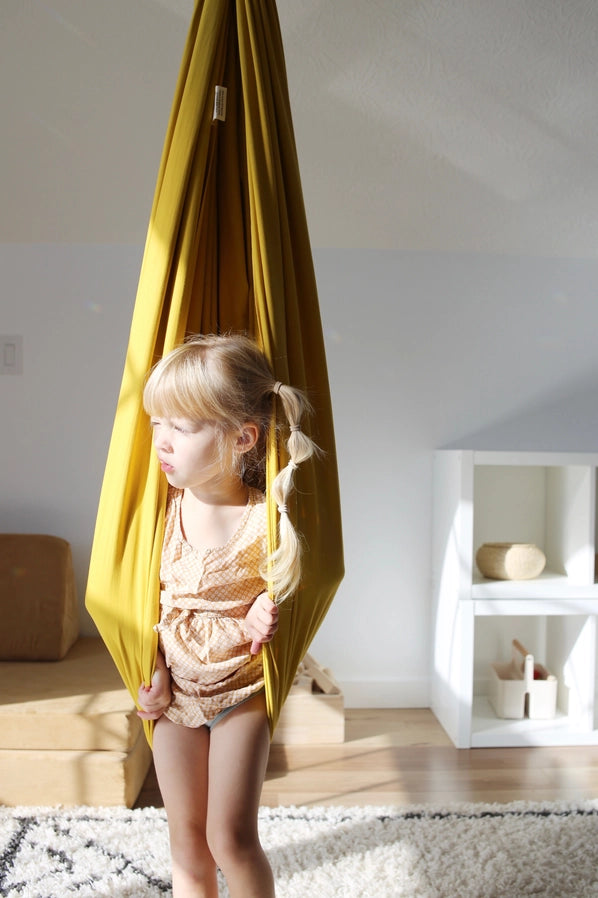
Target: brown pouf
(38, 598)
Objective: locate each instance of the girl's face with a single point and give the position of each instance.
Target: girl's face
(188, 451)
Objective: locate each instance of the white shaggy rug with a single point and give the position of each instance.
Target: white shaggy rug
(460, 851)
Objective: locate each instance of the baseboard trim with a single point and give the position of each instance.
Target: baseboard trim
(413, 693)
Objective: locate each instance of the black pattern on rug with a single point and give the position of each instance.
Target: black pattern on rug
(59, 863)
(544, 850)
(480, 815)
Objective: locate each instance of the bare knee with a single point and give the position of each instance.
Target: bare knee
(189, 848)
(233, 843)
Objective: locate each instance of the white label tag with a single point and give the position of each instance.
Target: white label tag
(220, 104)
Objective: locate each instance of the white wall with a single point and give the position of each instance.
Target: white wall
(424, 350)
(427, 350)
(474, 347)
(73, 306)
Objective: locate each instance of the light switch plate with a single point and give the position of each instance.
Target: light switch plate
(11, 354)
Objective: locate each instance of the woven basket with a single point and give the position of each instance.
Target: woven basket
(510, 561)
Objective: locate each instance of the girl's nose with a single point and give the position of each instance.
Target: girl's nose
(162, 438)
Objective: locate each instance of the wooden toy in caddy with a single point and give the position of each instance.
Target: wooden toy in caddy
(522, 687)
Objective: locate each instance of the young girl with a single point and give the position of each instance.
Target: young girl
(211, 402)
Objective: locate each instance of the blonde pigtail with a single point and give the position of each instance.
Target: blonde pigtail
(284, 571)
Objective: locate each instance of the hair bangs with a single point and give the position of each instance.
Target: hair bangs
(177, 388)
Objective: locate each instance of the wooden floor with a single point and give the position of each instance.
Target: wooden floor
(403, 757)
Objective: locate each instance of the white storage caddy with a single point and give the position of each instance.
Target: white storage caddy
(514, 693)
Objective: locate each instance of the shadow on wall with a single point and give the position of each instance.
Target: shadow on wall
(566, 421)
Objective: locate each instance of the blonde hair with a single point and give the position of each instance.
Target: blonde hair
(227, 380)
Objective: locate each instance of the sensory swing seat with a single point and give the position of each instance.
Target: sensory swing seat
(227, 249)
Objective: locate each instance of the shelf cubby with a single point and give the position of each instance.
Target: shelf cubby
(549, 499)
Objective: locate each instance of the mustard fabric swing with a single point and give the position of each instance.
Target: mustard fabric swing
(227, 249)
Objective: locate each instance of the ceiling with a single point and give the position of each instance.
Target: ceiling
(443, 125)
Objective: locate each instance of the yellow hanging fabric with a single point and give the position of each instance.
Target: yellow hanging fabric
(227, 249)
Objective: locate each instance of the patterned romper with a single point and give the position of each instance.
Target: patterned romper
(203, 602)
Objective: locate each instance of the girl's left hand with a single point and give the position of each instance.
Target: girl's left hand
(261, 621)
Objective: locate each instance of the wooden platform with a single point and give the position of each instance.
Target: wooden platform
(69, 732)
(314, 712)
(403, 757)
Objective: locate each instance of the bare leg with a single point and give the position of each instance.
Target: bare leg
(181, 762)
(239, 748)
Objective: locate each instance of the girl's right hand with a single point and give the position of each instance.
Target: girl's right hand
(155, 698)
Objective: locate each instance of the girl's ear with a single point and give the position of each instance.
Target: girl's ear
(247, 437)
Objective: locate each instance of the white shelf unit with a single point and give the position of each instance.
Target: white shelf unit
(544, 498)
